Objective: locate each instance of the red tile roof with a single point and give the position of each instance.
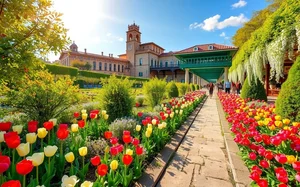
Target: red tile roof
(152, 43)
(92, 55)
(171, 53)
(205, 48)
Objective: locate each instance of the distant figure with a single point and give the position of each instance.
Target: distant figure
(227, 87)
(220, 87)
(233, 87)
(238, 87)
(211, 89)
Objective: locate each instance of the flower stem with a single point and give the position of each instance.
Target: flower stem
(42, 140)
(24, 181)
(71, 170)
(49, 134)
(0, 178)
(61, 148)
(49, 166)
(30, 149)
(82, 163)
(37, 175)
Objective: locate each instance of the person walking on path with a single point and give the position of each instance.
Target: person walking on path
(227, 87)
(233, 87)
(238, 87)
(211, 89)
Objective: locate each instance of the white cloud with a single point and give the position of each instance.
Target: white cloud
(239, 4)
(121, 39)
(212, 23)
(223, 34)
(108, 34)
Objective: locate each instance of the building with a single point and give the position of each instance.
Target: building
(143, 60)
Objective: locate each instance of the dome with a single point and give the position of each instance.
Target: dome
(74, 47)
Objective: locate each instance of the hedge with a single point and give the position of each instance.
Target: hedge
(62, 70)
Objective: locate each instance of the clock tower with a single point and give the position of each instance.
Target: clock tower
(132, 44)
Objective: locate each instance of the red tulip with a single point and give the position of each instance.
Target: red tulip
(281, 175)
(114, 151)
(5, 126)
(252, 156)
(264, 164)
(4, 163)
(126, 133)
(113, 140)
(108, 134)
(24, 167)
(32, 126)
(282, 185)
(95, 111)
(119, 148)
(135, 141)
(81, 123)
(139, 150)
(144, 122)
(63, 126)
(268, 155)
(262, 183)
(96, 160)
(102, 170)
(48, 125)
(12, 139)
(296, 165)
(62, 133)
(257, 169)
(76, 114)
(140, 114)
(93, 115)
(297, 177)
(281, 158)
(127, 159)
(254, 175)
(127, 138)
(11, 183)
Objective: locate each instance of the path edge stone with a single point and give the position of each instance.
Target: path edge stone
(157, 167)
(239, 171)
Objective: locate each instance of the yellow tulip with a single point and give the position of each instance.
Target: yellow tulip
(250, 113)
(165, 108)
(69, 181)
(37, 158)
(2, 136)
(272, 127)
(138, 128)
(106, 116)
(42, 132)
(260, 123)
(176, 111)
(166, 115)
(172, 115)
(54, 121)
(164, 124)
(129, 152)
(286, 128)
(160, 126)
(31, 137)
(23, 149)
(180, 112)
(291, 159)
(296, 124)
(83, 111)
(114, 164)
(17, 128)
(103, 112)
(87, 184)
(84, 116)
(82, 151)
(149, 129)
(278, 118)
(50, 150)
(286, 121)
(154, 122)
(74, 128)
(70, 157)
(148, 133)
(278, 123)
(257, 118)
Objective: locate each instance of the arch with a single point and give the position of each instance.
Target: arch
(137, 38)
(100, 66)
(141, 61)
(94, 65)
(130, 37)
(166, 64)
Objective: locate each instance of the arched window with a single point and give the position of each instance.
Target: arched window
(166, 64)
(141, 61)
(152, 62)
(155, 63)
(118, 67)
(109, 67)
(122, 68)
(115, 67)
(171, 64)
(161, 64)
(94, 65)
(105, 67)
(130, 37)
(100, 66)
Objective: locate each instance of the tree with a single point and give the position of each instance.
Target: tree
(29, 30)
(81, 65)
(255, 90)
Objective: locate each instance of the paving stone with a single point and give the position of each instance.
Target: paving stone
(215, 169)
(203, 181)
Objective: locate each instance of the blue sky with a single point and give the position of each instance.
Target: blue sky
(101, 25)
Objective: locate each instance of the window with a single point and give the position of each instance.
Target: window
(152, 62)
(94, 65)
(105, 67)
(140, 74)
(118, 67)
(171, 64)
(195, 49)
(161, 64)
(210, 47)
(115, 67)
(155, 63)
(141, 61)
(109, 67)
(122, 68)
(166, 64)
(100, 66)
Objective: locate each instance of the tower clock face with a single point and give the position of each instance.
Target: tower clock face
(129, 47)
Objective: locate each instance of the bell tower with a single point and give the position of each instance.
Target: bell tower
(132, 44)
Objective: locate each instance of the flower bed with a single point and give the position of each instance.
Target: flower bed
(57, 155)
(268, 144)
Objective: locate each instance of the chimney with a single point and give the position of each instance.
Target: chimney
(111, 55)
(85, 50)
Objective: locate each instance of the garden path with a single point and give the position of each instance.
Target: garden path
(200, 160)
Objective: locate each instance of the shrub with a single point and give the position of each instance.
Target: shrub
(172, 90)
(41, 98)
(140, 100)
(287, 103)
(61, 70)
(197, 87)
(116, 98)
(154, 90)
(96, 147)
(192, 87)
(119, 125)
(255, 90)
(182, 88)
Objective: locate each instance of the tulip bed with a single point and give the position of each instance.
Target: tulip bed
(56, 154)
(268, 144)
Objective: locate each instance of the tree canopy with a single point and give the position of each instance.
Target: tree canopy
(29, 30)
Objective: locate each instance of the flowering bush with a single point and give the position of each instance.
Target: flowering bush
(269, 144)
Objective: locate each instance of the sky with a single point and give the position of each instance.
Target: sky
(101, 25)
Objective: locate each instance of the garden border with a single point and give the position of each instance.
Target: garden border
(239, 171)
(155, 170)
